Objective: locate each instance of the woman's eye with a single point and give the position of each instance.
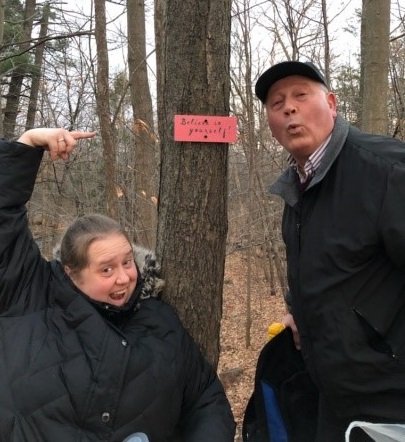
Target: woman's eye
(128, 262)
(106, 270)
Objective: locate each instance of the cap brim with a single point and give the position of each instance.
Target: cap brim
(282, 70)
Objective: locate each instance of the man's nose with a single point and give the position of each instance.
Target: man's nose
(289, 107)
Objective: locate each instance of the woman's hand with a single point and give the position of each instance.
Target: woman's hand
(59, 142)
(288, 321)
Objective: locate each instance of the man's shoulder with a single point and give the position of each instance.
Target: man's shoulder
(376, 146)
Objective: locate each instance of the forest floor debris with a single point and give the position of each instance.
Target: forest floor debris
(237, 362)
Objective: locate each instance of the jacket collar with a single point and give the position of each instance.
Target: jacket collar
(286, 185)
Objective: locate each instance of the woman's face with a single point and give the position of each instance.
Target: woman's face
(111, 274)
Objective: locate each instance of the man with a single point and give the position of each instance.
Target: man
(344, 230)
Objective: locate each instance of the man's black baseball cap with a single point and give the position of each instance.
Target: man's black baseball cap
(285, 69)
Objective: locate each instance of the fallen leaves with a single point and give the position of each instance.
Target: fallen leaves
(237, 363)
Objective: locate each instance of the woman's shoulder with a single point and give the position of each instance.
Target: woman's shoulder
(159, 307)
(159, 319)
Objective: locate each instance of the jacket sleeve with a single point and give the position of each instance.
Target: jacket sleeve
(392, 216)
(19, 255)
(206, 414)
(288, 301)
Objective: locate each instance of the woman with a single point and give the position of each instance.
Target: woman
(88, 351)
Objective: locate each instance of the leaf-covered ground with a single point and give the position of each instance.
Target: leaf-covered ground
(237, 362)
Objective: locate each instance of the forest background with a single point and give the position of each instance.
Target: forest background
(125, 68)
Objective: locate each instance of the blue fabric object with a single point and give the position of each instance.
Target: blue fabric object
(136, 437)
(275, 423)
(284, 403)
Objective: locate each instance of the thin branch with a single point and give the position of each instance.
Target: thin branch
(41, 42)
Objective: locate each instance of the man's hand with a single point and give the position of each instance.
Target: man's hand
(288, 321)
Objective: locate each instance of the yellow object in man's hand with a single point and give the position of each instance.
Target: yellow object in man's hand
(274, 329)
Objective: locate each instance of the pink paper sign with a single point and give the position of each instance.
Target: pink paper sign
(204, 129)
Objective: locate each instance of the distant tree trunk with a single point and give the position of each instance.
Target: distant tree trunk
(39, 55)
(2, 15)
(14, 91)
(375, 29)
(193, 78)
(146, 162)
(326, 45)
(103, 108)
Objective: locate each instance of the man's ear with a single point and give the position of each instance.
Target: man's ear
(68, 271)
(332, 101)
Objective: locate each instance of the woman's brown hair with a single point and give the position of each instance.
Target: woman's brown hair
(81, 234)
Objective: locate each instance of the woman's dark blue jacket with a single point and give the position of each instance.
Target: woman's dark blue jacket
(72, 370)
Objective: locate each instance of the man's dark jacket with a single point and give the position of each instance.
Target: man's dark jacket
(75, 370)
(345, 242)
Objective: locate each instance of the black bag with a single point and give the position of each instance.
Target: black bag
(284, 403)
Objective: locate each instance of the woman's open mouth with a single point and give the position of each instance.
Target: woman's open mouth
(118, 296)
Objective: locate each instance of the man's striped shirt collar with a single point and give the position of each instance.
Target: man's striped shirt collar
(312, 163)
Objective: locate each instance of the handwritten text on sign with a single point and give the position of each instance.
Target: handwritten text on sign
(205, 129)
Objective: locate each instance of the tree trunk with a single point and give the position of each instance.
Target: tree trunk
(103, 108)
(325, 26)
(2, 15)
(193, 78)
(14, 91)
(375, 45)
(146, 159)
(39, 56)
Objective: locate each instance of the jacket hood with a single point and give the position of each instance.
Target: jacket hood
(149, 272)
